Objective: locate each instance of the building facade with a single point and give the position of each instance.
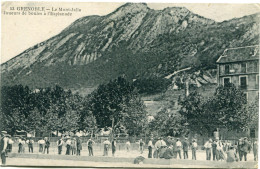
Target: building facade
(240, 66)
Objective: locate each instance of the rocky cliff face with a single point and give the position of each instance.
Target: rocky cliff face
(134, 40)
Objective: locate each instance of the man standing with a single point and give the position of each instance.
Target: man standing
(214, 150)
(59, 144)
(150, 148)
(73, 146)
(174, 148)
(220, 151)
(79, 146)
(194, 146)
(20, 145)
(47, 145)
(23, 144)
(178, 147)
(41, 143)
(208, 146)
(239, 148)
(141, 146)
(68, 144)
(114, 147)
(157, 148)
(3, 146)
(255, 150)
(128, 144)
(106, 146)
(185, 148)
(30, 145)
(245, 149)
(90, 147)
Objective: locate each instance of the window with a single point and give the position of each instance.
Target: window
(227, 80)
(226, 69)
(243, 82)
(252, 133)
(254, 67)
(243, 67)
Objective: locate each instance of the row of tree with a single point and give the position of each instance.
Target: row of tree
(115, 104)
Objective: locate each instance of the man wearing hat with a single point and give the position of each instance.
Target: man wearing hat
(68, 145)
(255, 149)
(3, 146)
(30, 144)
(41, 142)
(79, 146)
(185, 148)
(59, 144)
(208, 146)
(194, 146)
(244, 149)
(178, 147)
(150, 148)
(141, 146)
(214, 150)
(157, 148)
(114, 147)
(106, 146)
(90, 146)
(47, 145)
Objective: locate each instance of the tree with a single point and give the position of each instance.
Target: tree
(133, 115)
(253, 118)
(45, 109)
(15, 107)
(227, 104)
(223, 110)
(167, 123)
(113, 103)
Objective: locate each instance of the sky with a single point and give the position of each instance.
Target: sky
(19, 32)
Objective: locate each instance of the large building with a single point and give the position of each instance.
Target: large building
(240, 66)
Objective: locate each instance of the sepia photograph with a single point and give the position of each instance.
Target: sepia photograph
(129, 84)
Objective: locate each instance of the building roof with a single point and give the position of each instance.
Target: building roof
(239, 54)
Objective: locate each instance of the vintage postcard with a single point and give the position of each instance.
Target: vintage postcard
(129, 84)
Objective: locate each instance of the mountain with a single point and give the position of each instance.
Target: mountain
(134, 41)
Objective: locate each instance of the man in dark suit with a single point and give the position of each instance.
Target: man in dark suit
(3, 146)
(255, 150)
(79, 146)
(239, 148)
(244, 149)
(185, 145)
(59, 144)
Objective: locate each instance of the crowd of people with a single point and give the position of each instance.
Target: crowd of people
(219, 150)
(167, 148)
